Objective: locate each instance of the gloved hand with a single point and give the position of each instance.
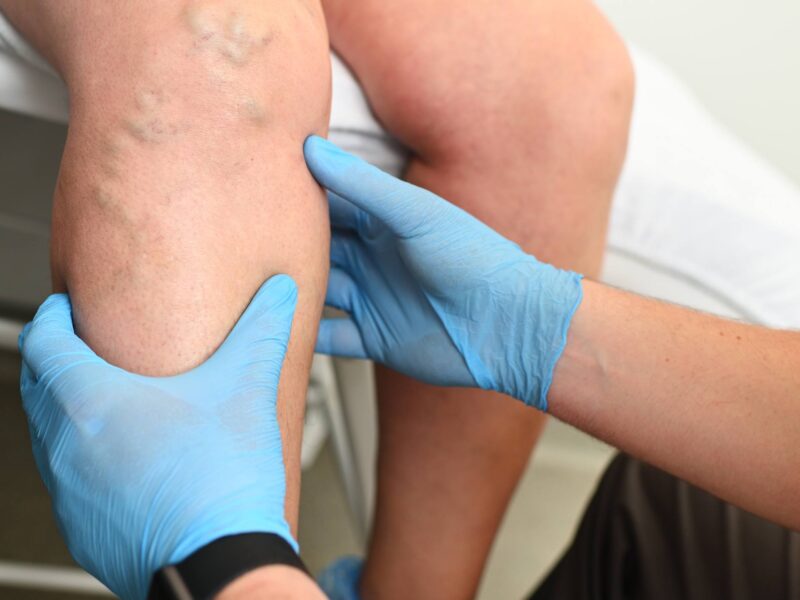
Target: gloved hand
(143, 471)
(431, 291)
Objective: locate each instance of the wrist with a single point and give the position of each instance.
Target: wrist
(582, 374)
(548, 299)
(214, 567)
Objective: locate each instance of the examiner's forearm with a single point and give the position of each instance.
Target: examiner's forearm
(712, 401)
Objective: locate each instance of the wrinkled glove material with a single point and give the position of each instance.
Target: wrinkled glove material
(434, 293)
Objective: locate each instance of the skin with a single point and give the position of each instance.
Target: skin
(529, 136)
(275, 582)
(711, 401)
(182, 185)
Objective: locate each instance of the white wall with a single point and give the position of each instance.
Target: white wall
(741, 57)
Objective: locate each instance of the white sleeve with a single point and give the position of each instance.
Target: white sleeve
(697, 210)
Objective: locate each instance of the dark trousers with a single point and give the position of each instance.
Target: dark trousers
(647, 535)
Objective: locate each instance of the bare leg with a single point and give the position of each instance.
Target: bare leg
(520, 115)
(183, 185)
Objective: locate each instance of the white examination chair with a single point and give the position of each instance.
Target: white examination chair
(698, 219)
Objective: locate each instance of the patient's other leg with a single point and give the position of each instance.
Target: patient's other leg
(183, 185)
(518, 112)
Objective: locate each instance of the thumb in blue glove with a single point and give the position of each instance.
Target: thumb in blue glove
(143, 471)
(431, 291)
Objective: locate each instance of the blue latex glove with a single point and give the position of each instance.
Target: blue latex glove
(143, 471)
(433, 292)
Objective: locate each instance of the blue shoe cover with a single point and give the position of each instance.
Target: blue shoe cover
(339, 580)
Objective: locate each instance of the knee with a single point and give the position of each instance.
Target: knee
(589, 106)
(567, 88)
(573, 104)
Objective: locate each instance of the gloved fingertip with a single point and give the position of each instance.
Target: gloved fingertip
(55, 310)
(54, 318)
(312, 152)
(273, 305)
(55, 302)
(311, 142)
(315, 144)
(278, 290)
(326, 160)
(270, 311)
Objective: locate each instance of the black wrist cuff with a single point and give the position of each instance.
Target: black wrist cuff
(204, 573)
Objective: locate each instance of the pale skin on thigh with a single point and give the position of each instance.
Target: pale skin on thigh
(183, 185)
(519, 113)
